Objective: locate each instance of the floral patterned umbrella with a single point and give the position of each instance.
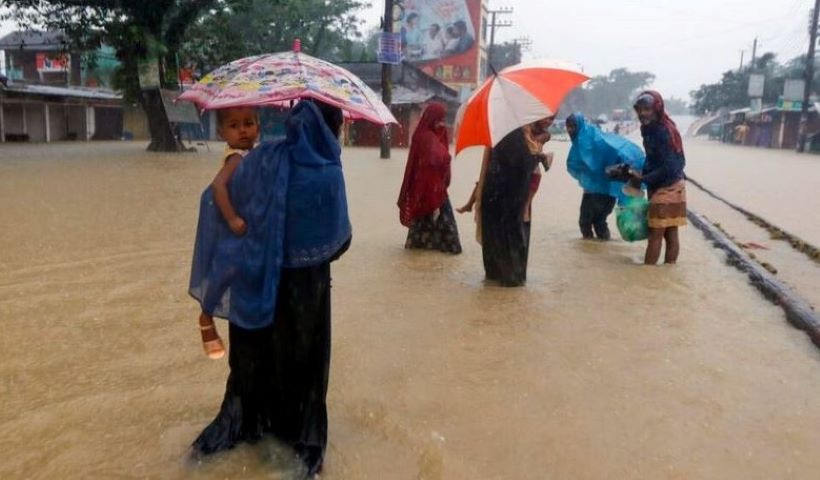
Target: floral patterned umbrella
(276, 79)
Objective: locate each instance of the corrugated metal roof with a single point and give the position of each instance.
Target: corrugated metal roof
(404, 96)
(33, 40)
(76, 92)
(760, 112)
(406, 73)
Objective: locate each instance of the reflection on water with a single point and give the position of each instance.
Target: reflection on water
(599, 368)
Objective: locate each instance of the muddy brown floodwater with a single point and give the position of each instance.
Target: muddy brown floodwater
(778, 185)
(599, 368)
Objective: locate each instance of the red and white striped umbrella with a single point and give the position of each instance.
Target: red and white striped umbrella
(514, 97)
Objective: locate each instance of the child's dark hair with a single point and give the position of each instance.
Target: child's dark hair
(222, 112)
(220, 116)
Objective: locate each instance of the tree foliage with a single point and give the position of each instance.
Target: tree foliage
(604, 93)
(676, 106)
(204, 33)
(138, 30)
(505, 55)
(240, 28)
(732, 89)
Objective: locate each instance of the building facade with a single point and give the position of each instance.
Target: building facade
(413, 89)
(45, 94)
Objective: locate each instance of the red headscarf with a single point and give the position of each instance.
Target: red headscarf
(664, 119)
(427, 174)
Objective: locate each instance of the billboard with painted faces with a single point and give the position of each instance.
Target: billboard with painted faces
(442, 37)
(53, 62)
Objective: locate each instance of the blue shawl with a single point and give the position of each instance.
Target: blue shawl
(593, 151)
(291, 195)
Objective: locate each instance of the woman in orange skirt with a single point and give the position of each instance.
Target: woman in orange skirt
(663, 176)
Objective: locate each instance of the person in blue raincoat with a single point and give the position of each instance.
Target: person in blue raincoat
(591, 153)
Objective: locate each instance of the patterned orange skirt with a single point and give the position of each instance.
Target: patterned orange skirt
(667, 206)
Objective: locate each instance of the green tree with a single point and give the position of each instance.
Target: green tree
(676, 106)
(138, 30)
(505, 55)
(795, 69)
(604, 93)
(732, 90)
(240, 28)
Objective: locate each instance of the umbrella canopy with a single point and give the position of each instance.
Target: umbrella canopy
(516, 96)
(277, 78)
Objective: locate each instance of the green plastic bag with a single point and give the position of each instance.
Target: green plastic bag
(632, 216)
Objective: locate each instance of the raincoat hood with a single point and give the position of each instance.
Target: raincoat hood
(580, 123)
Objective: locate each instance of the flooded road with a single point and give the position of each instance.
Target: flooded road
(599, 368)
(778, 185)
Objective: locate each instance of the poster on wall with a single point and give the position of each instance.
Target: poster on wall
(793, 90)
(757, 82)
(390, 48)
(186, 76)
(178, 112)
(441, 37)
(53, 62)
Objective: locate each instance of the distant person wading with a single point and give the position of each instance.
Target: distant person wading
(424, 206)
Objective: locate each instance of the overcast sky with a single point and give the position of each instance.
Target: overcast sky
(685, 43)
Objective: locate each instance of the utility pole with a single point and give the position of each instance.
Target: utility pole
(521, 45)
(804, 111)
(496, 24)
(742, 52)
(387, 80)
(754, 54)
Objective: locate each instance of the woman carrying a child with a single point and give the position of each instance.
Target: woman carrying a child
(272, 282)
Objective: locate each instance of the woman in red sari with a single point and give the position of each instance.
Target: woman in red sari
(424, 206)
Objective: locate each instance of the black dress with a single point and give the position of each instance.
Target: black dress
(505, 238)
(439, 233)
(279, 374)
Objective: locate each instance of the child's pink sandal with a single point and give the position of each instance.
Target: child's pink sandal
(215, 349)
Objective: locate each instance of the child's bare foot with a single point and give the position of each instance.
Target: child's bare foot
(465, 208)
(211, 342)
